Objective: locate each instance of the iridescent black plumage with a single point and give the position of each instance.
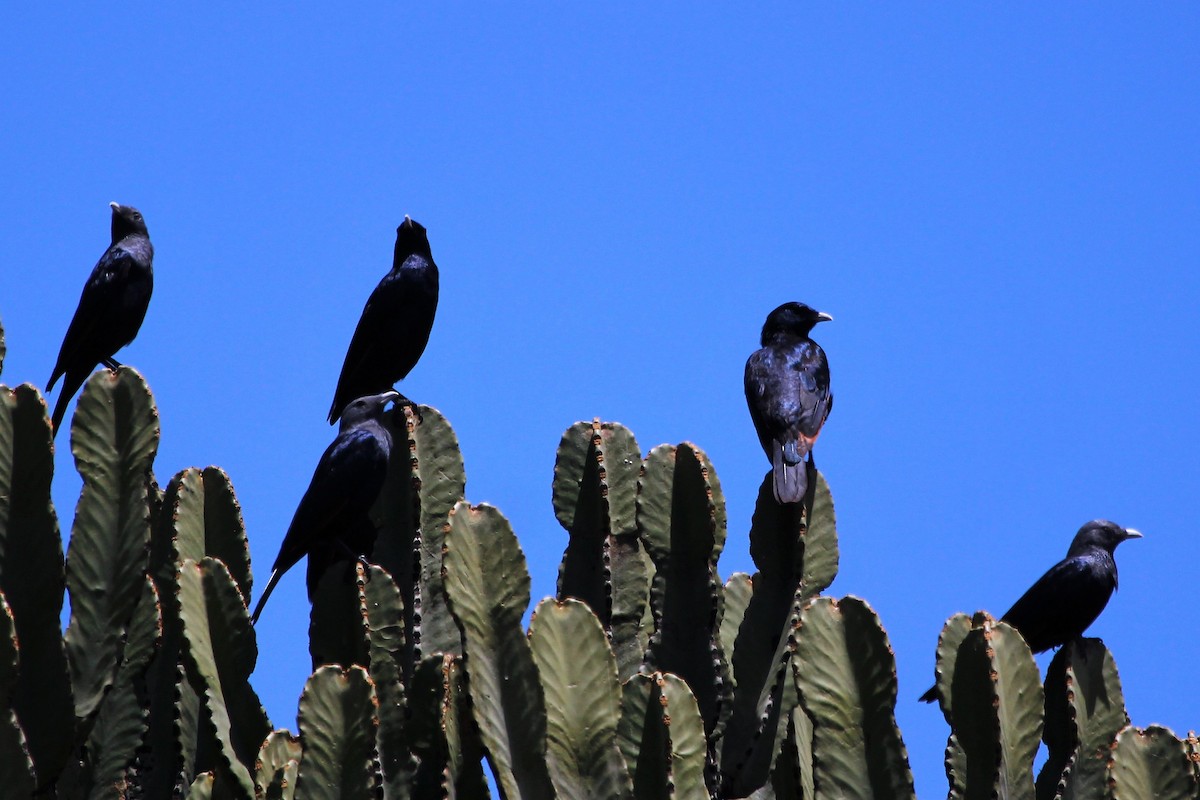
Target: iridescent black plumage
(787, 391)
(394, 327)
(1062, 603)
(111, 308)
(333, 514)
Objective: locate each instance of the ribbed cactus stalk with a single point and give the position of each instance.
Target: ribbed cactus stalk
(487, 586)
(662, 738)
(32, 579)
(578, 673)
(1150, 764)
(277, 765)
(337, 727)
(681, 520)
(220, 653)
(114, 437)
(424, 482)
(16, 767)
(1085, 708)
(595, 500)
(992, 697)
(846, 674)
(796, 559)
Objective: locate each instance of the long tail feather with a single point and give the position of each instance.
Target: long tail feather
(791, 480)
(262, 601)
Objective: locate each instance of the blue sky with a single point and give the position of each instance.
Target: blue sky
(998, 204)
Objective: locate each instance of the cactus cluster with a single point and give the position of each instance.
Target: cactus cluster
(646, 676)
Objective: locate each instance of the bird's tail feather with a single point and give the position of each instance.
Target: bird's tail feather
(931, 695)
(790, 480)
(71, 383)
(262, 601)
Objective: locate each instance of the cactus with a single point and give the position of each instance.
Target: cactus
(595, 500)
(424, 482)
(583, 701)
(846, 674)
(437, 673)
(220, 655)
(487, 587)
(738, 591)
(121, 722)
(276, 767)
(796, 560)
(200, 517)
(32, 579)
(994, 705)
(681, 520)
(114, 437)
(337, 728)
(1085, 708)
(16, 767)
(662, 738)
(1150, 763)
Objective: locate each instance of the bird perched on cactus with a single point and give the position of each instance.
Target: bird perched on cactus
(1062, 603)
(333, 515)
(787, 390)
(111, 308)
(395, 324)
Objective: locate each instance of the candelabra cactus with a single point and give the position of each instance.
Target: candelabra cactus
(647, 676)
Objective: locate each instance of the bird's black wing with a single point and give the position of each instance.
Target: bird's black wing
(1063, 602)
(101, 297)
(391, 334)
(346, 482)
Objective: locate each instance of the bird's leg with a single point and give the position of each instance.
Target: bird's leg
(111, 363)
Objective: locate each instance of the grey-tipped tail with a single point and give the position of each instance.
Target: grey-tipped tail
(790, 480)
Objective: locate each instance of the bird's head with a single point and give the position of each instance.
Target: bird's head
(411, 239)
(792, 319)
(364, 408)
(1103, 534)
(126, 220)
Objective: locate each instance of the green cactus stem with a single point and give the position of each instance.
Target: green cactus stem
(32, 578)
(1085, 708)
(1150, 764)
(200, 517)
(738, 590)
(277, 765)
(425, 480)
(661, 736)
(595, 500)
(997, 701)
(338, 729)
(220, 653)
(114, 437)
(16, 767)
(681, 520)
(583, 701)
(846, 674)
(487, 587)
(796, 560)
(121, 722)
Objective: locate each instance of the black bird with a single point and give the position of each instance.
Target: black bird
(111, 308)
(1072, 593)
(395, 324)
(333, 514)
(787, 390)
